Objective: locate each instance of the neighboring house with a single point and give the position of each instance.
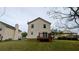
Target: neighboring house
(9, 32)
(66, 33)
(37, 26)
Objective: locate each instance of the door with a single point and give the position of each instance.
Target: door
(45, 35)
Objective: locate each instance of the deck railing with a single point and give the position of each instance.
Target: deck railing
(44, 37)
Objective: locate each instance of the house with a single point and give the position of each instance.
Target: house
(37, 26)
(66, 34)
(9, 32)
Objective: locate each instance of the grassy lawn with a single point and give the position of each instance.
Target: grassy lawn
(33, 45)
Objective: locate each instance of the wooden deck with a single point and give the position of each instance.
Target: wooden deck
(44, 37)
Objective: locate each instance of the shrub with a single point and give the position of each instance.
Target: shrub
(9, 39)
(0, 40)
(24, 34)
(19, 38)
(67, 38)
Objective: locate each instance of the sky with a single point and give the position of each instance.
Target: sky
(22, 15)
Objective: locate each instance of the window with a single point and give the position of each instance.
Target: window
(32, 26)
(44, 26)
(0, 29)
(45, 35)
(31, 33)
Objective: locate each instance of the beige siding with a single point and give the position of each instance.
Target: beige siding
(38, 27)
(19, 34)
(2, 32)
(8, 32)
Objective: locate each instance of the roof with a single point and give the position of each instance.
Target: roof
(37, 19)
(65, 33)
(9, 26)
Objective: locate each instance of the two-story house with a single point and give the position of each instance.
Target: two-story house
(37, 26)
(9, 32)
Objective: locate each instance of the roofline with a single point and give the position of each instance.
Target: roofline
(11, 27)
(67, 33)
(38, 18)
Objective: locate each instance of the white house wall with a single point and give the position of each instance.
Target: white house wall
(9, 33)
(38, 28)
(2, 32)
(19, 34)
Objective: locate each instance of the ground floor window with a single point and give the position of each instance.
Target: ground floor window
(31, 33)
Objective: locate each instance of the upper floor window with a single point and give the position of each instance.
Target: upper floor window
(44, 25)
(0, 29)
(32, 26)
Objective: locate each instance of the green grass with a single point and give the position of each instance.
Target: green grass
(33, 45)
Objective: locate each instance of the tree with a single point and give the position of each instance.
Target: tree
(2, 11)
(24, 34)
(56, 32)
(70, 14)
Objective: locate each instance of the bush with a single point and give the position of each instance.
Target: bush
(19, 38)
(0, 40)
(9, 39)
(67, 38)
(24, 34)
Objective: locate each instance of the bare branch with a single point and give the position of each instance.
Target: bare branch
(60, 13)
(76, 21)
(3, 12)
(71, 15)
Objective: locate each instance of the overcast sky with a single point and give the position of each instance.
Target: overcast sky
(22, 15)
